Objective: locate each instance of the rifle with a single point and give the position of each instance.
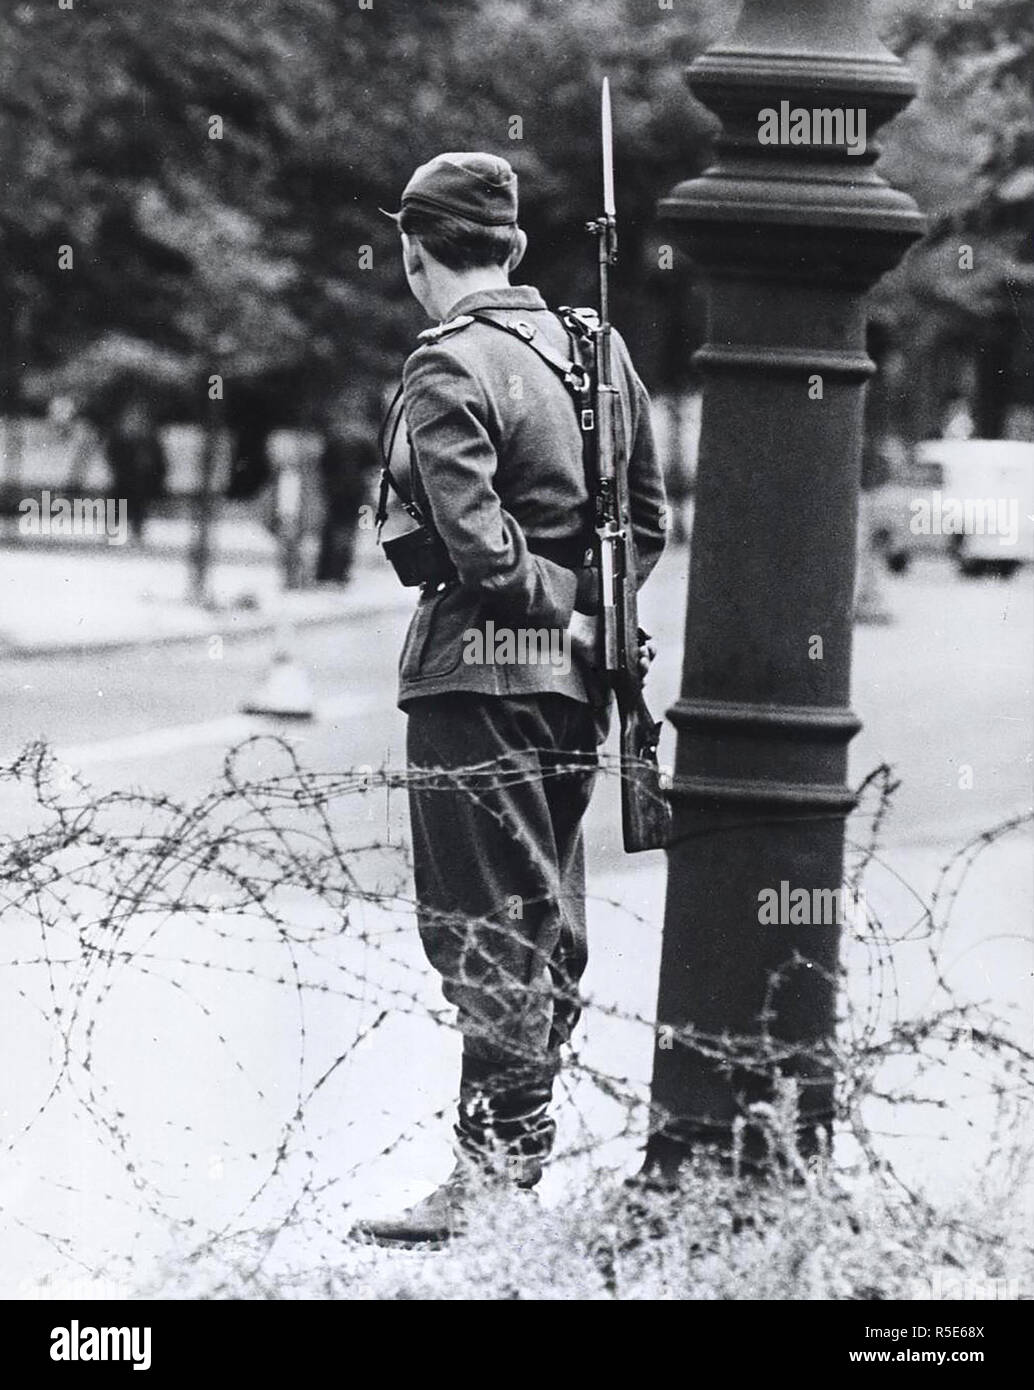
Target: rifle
(645, 809)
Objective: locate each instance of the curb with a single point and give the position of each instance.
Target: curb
(258, 628)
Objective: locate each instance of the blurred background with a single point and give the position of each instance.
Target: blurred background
(191, 193)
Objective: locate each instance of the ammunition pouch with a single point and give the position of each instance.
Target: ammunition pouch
(419, 557)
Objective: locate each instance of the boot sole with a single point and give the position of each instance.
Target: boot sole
(432, 1241)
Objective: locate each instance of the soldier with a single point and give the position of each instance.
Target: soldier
(501, 739)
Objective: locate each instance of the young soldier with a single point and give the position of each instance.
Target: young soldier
(501, 743)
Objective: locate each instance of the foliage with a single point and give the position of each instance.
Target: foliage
(965, 149)
(714, 1236)
(242, 252)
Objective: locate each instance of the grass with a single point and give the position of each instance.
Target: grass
(713, 1237)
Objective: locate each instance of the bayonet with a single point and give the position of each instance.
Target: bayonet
(609, 209)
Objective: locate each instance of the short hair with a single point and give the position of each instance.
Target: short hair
(458, 243)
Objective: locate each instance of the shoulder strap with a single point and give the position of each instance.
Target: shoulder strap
(572, 371)
(387, 482)
(442, 330)
(573, 374)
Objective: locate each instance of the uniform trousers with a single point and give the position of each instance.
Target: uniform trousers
(498, 787)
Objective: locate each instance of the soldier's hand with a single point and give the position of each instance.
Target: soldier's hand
(647, 653)
(583, 632)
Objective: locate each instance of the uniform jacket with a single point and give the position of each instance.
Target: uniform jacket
(496, 459)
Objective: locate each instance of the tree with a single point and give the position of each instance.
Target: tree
(220, 170)
(964, 150)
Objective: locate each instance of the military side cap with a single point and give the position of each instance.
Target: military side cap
(478, 187)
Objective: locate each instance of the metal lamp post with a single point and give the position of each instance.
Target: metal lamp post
(788, 233)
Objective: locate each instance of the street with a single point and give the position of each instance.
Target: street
(947, 684)
(944, 691)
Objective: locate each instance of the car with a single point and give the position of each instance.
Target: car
(969, 499)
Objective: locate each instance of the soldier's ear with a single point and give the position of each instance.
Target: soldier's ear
(412, 257)
(517, 254)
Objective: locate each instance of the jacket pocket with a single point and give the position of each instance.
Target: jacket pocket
(434, 642)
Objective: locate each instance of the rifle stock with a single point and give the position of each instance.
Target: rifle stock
(645, 809)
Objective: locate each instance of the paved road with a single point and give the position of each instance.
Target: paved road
(945, 693)
(946, 686)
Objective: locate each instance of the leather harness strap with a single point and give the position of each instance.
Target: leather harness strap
(572, 372)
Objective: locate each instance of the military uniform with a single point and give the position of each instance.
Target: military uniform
(496, 463)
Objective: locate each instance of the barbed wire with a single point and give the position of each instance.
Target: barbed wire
(267, 879)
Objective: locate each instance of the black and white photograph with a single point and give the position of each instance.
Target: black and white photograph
(516, 662)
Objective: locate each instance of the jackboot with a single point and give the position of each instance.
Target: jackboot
(503, 1125)
(503, 1137)
(430, 1223)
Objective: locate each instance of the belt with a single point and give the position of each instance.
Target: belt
(572, 554)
